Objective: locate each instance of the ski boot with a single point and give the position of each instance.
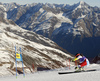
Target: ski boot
(78, 69)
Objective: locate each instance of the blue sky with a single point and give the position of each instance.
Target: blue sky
(90, 2)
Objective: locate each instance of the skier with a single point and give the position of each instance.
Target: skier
(81, 61)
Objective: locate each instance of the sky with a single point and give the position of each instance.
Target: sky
(71, 2)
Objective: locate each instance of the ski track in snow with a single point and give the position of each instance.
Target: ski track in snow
(54, 76)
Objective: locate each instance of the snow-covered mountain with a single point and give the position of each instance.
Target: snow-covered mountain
(36, 49)
(75, 27)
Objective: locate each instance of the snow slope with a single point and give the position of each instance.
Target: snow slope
(54, 76)
(36, 49)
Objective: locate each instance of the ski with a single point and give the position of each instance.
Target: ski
(76, 71)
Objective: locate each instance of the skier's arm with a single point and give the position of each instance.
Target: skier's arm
(75, 59)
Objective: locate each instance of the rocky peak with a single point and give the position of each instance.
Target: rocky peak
(82, 2)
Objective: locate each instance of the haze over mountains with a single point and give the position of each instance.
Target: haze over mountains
(75, 27)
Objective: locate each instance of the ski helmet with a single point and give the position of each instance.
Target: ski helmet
(77, 54)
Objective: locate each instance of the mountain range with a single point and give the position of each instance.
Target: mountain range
(75, 28)
(37, 50)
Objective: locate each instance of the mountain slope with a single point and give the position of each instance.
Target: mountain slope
(36, 49)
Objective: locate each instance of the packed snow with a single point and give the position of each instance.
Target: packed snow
(54, 76)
